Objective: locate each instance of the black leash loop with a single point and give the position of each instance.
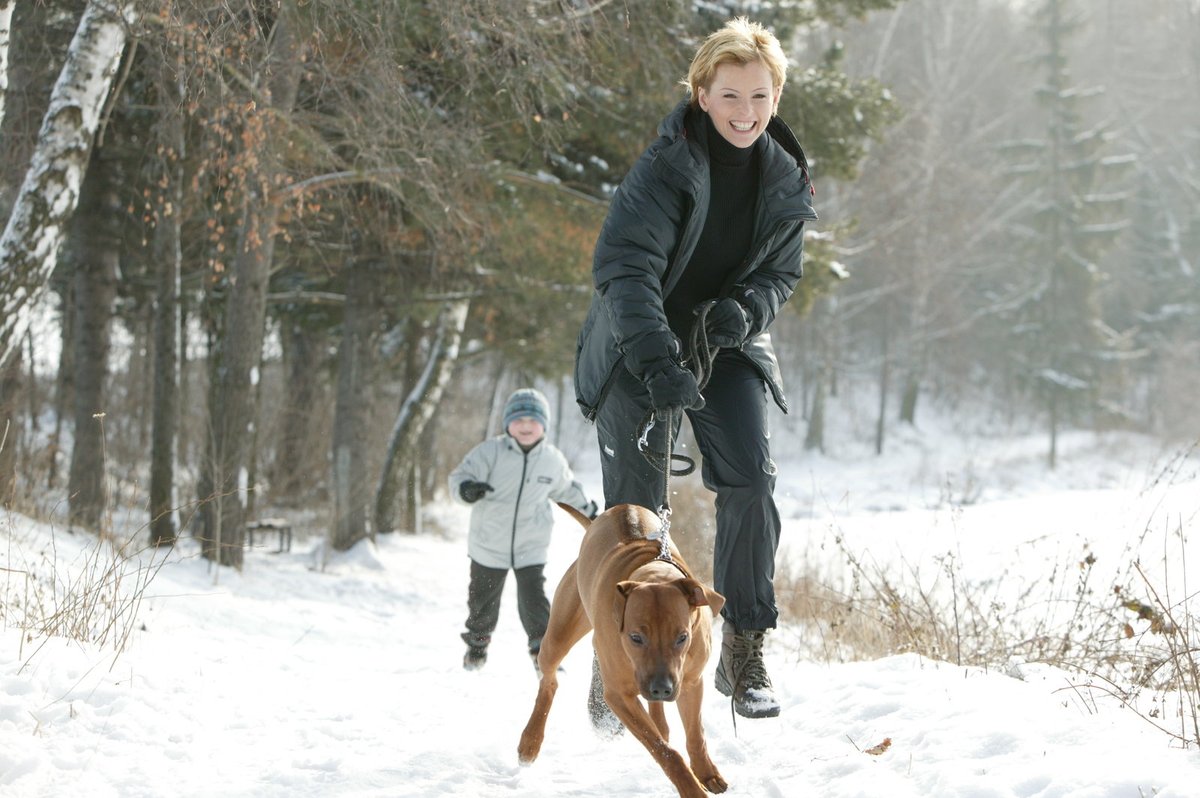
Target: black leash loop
(698, 347)
(662, 460)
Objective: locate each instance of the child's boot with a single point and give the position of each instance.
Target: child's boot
(476, 656)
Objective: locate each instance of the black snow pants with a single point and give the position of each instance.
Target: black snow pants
(483, 603)
(731, 431)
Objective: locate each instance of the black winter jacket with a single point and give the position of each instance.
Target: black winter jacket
(653, 224)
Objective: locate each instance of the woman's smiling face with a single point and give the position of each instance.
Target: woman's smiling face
(741, 101)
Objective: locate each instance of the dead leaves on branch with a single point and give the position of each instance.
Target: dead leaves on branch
(1146, 612)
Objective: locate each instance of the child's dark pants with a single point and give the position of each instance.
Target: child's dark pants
(483, 603)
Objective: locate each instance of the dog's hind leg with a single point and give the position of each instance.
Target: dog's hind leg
(568, 624)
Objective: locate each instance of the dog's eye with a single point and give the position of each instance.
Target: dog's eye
(681, 641)
(637, 639)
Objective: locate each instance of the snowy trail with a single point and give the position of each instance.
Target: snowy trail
(288, 681)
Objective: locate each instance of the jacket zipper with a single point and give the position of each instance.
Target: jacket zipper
(769, 231)
(512, 545)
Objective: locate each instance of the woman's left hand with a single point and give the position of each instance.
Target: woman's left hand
(727, 324)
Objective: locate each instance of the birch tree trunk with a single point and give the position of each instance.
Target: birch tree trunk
(417, 409)
(38, 222)
(6, 12)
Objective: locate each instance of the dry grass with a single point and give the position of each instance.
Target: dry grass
(88, 590)
(1134, 639)
(92, 596)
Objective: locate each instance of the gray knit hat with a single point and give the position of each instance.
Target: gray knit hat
(527, 402)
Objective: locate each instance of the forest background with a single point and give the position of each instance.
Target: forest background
(288, 258)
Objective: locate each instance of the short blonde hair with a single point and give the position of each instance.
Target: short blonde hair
(739, 42)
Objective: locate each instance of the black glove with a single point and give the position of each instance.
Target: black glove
(727, 324)
(673, 386)
(591, 510)
(472, 492)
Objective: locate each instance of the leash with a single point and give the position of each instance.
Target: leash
(702, 353)
(700, 362)
(661, 462)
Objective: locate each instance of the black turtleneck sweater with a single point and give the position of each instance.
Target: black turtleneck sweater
(728, 229)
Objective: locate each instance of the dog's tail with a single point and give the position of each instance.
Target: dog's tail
(583, 520)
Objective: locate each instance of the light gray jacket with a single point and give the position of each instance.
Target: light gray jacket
(510, 526)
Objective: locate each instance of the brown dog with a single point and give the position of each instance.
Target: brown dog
(651, 636)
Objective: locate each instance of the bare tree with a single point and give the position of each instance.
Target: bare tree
(350, 485)
(238, 353)
(95, 257)
(168, 261)
(298, 464)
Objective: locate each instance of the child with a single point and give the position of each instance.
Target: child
(510, 481)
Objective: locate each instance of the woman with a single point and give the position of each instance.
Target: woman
(708, 224)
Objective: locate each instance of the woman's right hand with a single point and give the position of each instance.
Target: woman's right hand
(674, 387)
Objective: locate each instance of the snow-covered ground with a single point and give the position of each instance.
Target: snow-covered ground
(289, 680)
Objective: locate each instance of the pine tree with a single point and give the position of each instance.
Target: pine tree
(1074, 213)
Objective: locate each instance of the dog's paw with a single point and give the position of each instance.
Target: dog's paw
(715, 784)
(528, 748)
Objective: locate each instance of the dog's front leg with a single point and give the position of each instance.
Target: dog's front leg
(691, 695)
(658, 714)
(635, 717)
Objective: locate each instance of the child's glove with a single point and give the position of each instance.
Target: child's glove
(472, 492)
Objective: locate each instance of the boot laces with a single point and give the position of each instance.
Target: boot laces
(748, 654)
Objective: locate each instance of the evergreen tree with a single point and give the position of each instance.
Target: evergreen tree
(1074, 212)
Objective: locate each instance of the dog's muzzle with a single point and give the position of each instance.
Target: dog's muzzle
(660, 687)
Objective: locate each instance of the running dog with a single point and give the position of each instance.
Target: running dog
(651, 634)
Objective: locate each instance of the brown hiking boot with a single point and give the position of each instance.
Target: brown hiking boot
(742, 674)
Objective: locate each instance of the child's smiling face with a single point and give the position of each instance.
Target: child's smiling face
(526, 430)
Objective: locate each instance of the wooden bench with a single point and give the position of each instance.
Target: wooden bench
(280, 526)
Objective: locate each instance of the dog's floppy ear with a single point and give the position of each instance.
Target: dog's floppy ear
(623, 591)
(700, 596)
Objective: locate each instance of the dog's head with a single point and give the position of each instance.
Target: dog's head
(656, 622)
